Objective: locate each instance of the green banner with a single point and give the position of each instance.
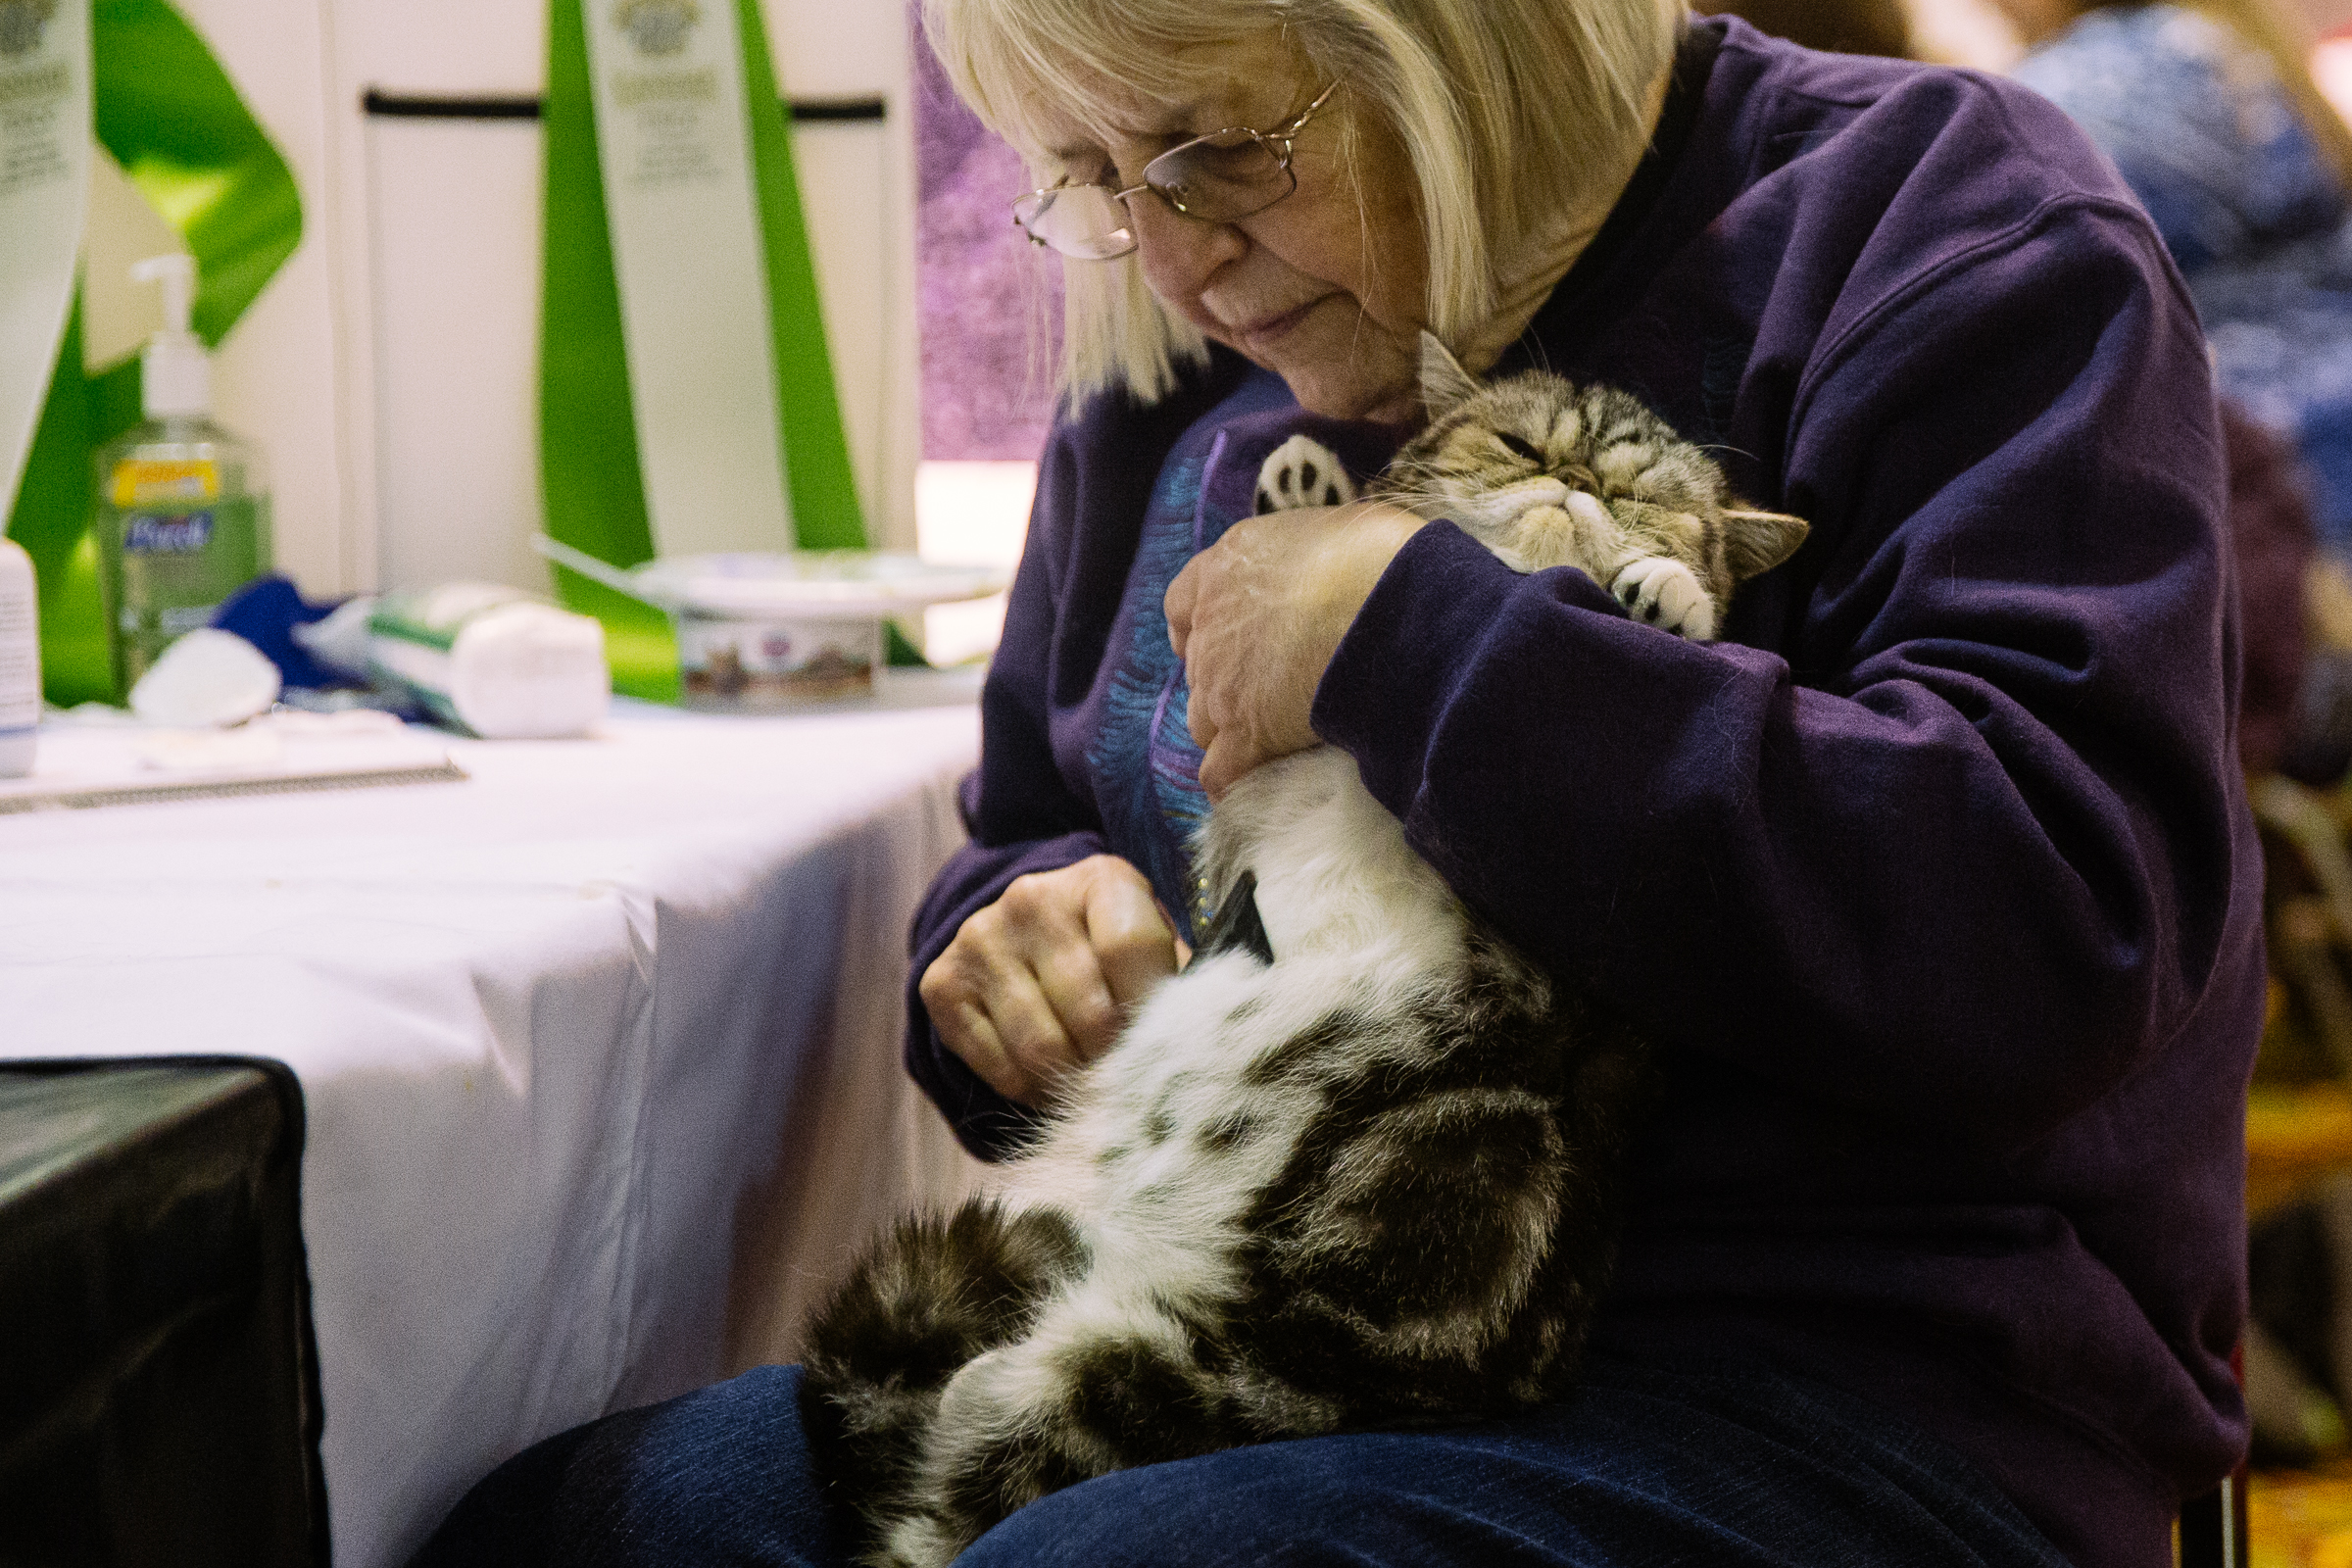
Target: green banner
(825, 514)
(589, 479)
(597, 481)
(171, 118)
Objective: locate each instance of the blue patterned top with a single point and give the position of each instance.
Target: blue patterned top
(1141, 763)
(1146, 764)
(2200, 126)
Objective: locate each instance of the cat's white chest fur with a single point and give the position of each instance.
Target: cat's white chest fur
(1335, 875)
(1170, 1136)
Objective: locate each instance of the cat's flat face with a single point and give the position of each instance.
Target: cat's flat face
(1547, 474)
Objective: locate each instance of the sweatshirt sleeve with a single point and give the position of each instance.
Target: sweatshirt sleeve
(988, 1124)
(1019, 813)
(1955, 844)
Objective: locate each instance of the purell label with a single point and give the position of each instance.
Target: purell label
(169, 534)
(148, 482)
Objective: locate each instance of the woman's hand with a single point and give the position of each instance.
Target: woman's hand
(1256, 616)
(1040, 980)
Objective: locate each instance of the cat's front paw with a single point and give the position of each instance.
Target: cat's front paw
(1666, 594)
(1301, 472)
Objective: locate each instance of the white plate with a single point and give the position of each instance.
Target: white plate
(809, 584)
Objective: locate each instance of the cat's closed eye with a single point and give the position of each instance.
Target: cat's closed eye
(1526, 449)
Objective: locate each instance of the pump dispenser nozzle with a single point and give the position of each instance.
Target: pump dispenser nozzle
(174, 372)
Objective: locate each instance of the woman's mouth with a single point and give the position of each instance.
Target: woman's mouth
(1268, 330)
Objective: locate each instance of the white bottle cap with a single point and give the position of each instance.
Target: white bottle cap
(175, 375)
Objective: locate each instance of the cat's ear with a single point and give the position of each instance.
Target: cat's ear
(1445, 384)
(1754, 542)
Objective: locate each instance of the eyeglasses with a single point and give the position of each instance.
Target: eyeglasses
(1219, 179)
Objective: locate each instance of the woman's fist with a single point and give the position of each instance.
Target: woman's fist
(1040, 981)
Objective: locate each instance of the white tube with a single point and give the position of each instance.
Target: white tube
(492, 661)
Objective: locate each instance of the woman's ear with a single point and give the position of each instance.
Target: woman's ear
(1445, 384)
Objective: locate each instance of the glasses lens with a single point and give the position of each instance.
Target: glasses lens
(1220, 178)
(1086, 222)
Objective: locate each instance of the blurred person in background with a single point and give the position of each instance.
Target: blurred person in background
(2210, 113)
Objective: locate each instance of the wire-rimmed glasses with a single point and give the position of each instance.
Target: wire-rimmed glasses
(1219, 179)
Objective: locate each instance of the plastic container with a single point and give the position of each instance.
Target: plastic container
(760, 632)
(732, 664)
(20, 662)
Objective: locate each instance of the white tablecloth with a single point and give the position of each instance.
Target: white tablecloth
(599, 1051)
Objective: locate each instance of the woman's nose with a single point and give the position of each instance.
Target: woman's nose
(1180, 254)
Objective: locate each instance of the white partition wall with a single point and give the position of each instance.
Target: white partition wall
(453, 253)
(390, 369)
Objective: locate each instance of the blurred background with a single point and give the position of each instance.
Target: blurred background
(390, 370)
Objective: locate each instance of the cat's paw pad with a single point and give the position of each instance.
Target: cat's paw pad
(1667, 595)
(1301, 472)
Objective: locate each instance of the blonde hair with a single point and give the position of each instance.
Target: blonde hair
(1503, 107)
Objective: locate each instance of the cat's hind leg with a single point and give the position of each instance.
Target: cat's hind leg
(1095, 1388)
(934, 1294)
(1301, 472)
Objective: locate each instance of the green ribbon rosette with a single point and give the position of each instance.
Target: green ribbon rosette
(607, 260)
(168, 115)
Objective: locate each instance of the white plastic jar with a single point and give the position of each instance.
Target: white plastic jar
(20, 660)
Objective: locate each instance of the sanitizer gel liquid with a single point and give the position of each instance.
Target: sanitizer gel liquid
(184, 505)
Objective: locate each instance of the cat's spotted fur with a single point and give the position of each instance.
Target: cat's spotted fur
(1355, 1167)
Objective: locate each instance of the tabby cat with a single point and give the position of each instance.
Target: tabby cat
(1356, 1167)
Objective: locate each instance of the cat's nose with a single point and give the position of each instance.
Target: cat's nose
(1542, 491)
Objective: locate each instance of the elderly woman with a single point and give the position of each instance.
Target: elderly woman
(1933, 878)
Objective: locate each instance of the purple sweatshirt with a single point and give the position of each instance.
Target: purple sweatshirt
(1934, 877)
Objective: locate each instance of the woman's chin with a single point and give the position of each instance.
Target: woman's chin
(1339, 364)
(1349, 390)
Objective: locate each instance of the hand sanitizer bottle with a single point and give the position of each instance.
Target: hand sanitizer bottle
(184, 505)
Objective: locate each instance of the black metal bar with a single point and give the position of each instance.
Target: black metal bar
(835, 107)
(525, 106)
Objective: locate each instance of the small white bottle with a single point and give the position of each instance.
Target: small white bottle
(20, 660)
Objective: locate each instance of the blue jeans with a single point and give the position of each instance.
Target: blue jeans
(1729, 1468)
